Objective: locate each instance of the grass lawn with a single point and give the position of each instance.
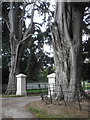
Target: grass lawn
(86, 86)
(36, 91)
(42, 110)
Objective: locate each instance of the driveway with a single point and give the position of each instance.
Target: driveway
(14, 107)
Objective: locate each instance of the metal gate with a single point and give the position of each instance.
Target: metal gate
(37, 88)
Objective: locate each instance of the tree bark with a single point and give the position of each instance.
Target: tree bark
(11, 88)
(17, 43)
(67, 45)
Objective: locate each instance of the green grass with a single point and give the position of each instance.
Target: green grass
(86, 86)
(43, 114)
(37, 112)
(36, 91)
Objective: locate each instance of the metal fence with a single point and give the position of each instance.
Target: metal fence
(37, 88)
(86, 85)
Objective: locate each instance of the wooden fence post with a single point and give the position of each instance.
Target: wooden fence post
(78, 98)
(62, 94)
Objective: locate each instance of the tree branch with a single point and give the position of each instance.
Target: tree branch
(31, 24)
(7, 23)
(17, 49)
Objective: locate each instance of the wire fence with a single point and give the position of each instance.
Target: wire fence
(37, 88)
(63, 93)
(52, 93)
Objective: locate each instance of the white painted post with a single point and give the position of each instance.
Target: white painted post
(21, 84)
(51, 82)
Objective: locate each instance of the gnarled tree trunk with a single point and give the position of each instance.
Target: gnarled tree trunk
(18, 40)
(67, 45)
(14, 40)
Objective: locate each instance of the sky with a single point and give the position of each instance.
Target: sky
(38, 19)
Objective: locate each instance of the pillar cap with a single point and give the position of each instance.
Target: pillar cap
(51, 75)
(21, 75)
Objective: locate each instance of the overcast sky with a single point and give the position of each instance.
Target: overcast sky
(38, 19)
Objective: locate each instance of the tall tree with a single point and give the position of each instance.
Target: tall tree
(15, 22)
(15, 14)
(67, 45)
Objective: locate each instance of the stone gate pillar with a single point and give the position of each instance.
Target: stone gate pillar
(51, 82)
(21, 84)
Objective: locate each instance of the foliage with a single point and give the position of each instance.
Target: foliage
(86, 45)
(86, 20)
(86, 60)
(33, 91)
(5, 46)
(33, 53)
(38, 60)
(5, 53)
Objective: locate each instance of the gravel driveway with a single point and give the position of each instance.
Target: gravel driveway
(14, 107)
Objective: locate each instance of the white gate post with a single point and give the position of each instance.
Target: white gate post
(51, 82)
(21, 84)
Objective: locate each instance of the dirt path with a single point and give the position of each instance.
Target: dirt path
(15, 107)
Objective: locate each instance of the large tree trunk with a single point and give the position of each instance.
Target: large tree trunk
(67, 44)
(18, 41)
(11, 88)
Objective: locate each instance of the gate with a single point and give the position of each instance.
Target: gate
(37, 88)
